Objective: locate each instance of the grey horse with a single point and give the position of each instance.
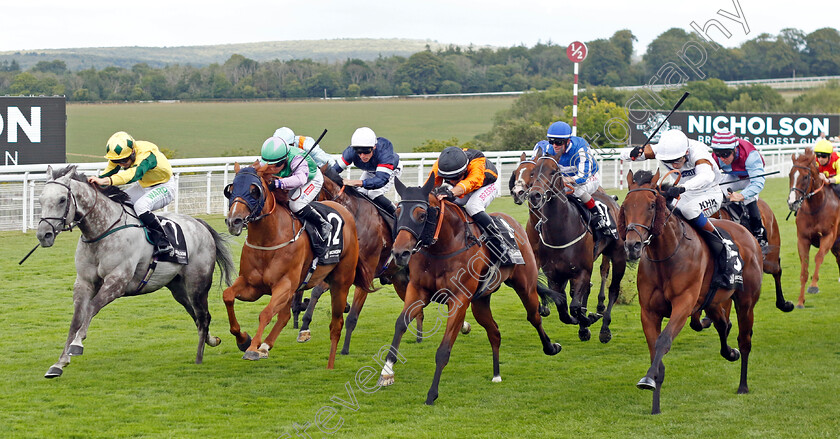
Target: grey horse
(113, 257)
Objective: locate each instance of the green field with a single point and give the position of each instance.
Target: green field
(214, 128)
(137, 377)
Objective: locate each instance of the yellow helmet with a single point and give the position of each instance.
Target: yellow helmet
(823, 146)
(119, 146)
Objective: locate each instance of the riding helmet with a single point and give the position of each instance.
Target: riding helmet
(452, 162)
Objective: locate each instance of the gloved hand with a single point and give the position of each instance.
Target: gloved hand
(445, 191)
(276, 184)
(636, 152)
(674, 191)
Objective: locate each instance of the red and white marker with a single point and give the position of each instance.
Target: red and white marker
(576, 53)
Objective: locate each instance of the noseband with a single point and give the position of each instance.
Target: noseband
(634, 227)
(254, 206)
(805, 195)
(65, 226)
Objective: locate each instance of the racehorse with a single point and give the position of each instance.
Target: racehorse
(817, 218)
(772, 262)
(675, 274)
(566, 247)
(375, 240)
(448, 265)
(276, 257)
(112, 261)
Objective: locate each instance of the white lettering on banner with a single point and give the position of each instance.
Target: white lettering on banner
(820, 126)
(799, 124)
(31, 128)
(738, 127)
(11, 160)
(695, 124)
(786, 126)
(770, 130)
(756, 125)
(716, 123)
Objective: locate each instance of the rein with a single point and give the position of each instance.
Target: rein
(634, 227)
(806, 196)
(548, 197)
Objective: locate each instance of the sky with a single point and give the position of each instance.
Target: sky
(53, 24)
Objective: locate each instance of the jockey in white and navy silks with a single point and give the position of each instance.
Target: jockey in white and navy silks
(698, 196)
(743, 169)
(376, 157)
(579, 168)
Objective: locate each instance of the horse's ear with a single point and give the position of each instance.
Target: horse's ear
(629, 178)
(539, 154)
(661, 216)
(793, 156)
(236, 167)
(398, 184)
(655, 179)
(49, 173)
(523, 157)
(430, 184)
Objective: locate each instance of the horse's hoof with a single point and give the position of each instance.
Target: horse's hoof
(244, 345)
(743, 390)
(497, 379)
(263, 352)
(466, 328)
(386, 380)
(802, 306)
(706, 322)
(544, 311)
(304, 336)
(584, 334)
(646, 383)
(54, 372)
(695, 325)
(213, 341)
(345, 351)
(554, 349)
(734, 355)
(605, 337)
(786, 306)
(419, 339)
(813, 290)
(251, 355)
(76, 349)
(600, 309)
(346, 308)
(592, 317)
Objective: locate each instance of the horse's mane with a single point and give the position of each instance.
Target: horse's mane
(113, 192)
(642, 177)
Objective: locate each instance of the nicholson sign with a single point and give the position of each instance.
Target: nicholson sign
(32, 130)
(757, 128)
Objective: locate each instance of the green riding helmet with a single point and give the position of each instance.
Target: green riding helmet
(274, 151)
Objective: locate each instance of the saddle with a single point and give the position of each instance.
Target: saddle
(333, 244)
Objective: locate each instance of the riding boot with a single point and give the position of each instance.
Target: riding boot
(324, 228)
(728, 262)
(756, 227)
(498, 246)
(386, 204)
(157, 234)
(600, 224)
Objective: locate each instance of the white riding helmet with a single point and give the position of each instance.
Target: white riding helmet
(363, 137)
(286, 134)
(672, 145)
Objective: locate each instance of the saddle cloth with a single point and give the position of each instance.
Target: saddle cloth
(176, 238)
(335, 242)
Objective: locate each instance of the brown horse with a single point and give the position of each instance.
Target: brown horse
(375, 241)
(772, 260)
(448, 264)
(566, 248)
(817, 218)
(277, 256)
(675, 275)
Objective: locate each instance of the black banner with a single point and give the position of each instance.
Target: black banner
(757, 128)
(32, 130)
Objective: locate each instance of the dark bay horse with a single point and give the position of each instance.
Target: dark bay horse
(674, 278)
(448, 265)
(817, 211)
(276, 257)
(375, 239)
(113, 259)
(566, 248)
(772, 261)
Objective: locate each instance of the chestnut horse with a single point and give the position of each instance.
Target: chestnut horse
(772, 261)
(566, 248)
(817, 218)
(375, 239)
(675, 275)
(448, 264)
(276, 257)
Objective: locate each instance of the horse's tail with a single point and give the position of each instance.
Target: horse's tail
(364, 277)
(223, 256)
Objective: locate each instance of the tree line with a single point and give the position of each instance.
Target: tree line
(451, 70)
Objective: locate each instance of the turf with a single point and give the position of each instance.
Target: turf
(137, 377)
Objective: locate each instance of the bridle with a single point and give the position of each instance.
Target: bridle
(433, 220)
(805, 195)
(67, 226)
(254, 206)
(548, 196)
(634, 227)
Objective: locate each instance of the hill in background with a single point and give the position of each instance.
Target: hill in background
(317, 50)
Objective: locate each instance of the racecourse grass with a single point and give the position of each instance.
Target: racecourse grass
(213, 129)
(137, 377)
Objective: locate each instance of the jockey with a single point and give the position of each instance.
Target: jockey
(580, 170)
(376, 157)
(827, 160)
(472, 182)
(146, 169)
(301, 178)
(320, 156)
(742, 165)
(700, 175)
